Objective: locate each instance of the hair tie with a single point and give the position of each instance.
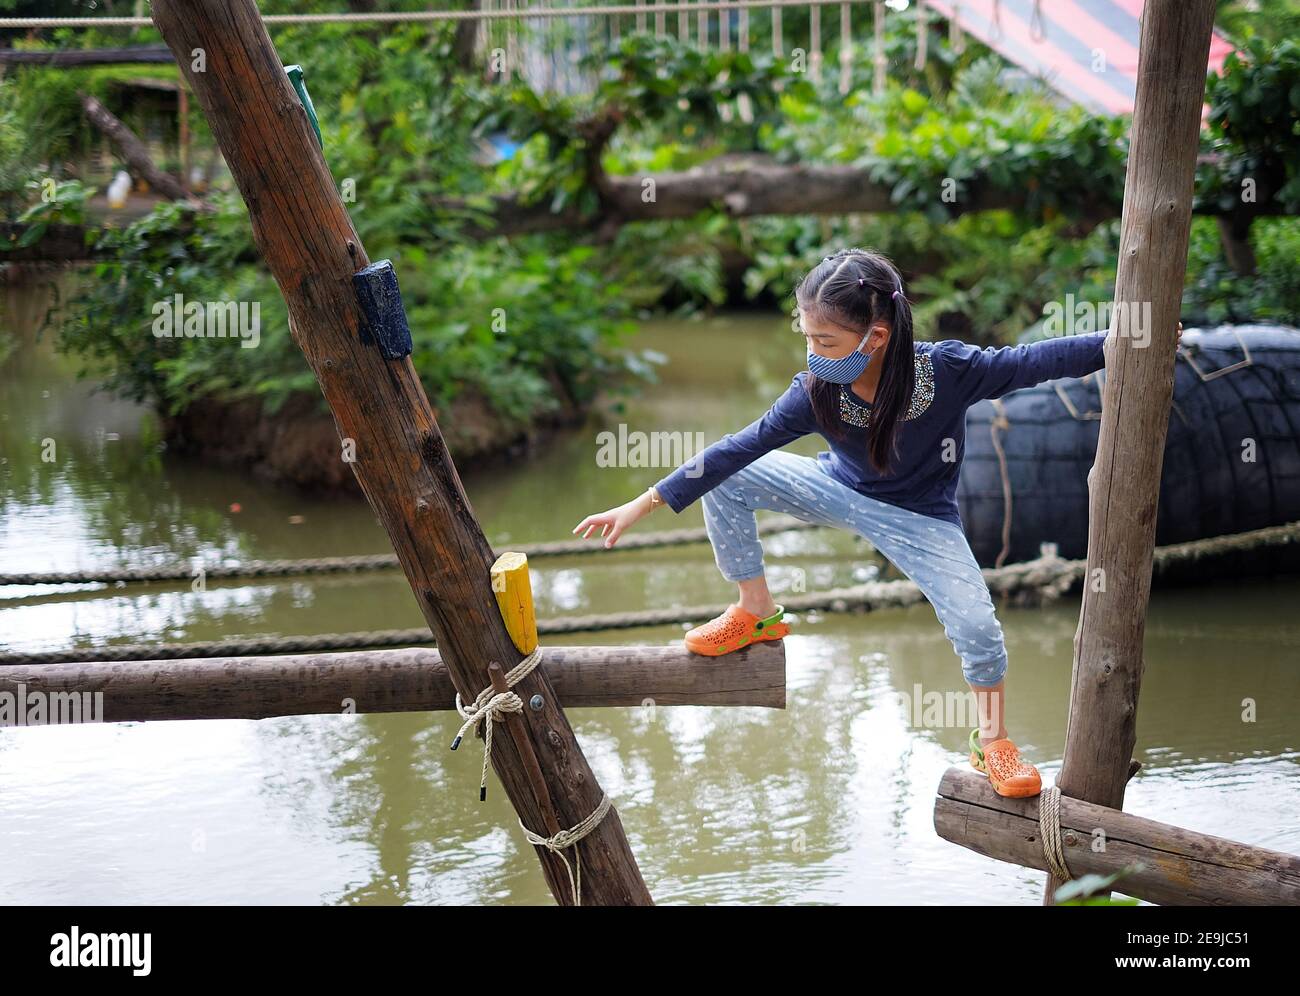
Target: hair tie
(894, 296)
(862, 281)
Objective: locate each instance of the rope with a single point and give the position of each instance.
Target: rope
(922, 37)
(956, 40)
(1037, 26)
(395, 17)
(493, 705)
(372, 562)
(995, 23)
(878, 79)
(1048, 576)
(1049, 829)
(569, 838)
(997, 426)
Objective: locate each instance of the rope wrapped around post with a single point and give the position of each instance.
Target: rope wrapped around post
(492, 705)
(1049, 829)
(557, 843)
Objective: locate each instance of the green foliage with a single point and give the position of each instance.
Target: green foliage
(521, 322)
(938, 154)
(1216, 294)
(1094, 890)
(1255, 116)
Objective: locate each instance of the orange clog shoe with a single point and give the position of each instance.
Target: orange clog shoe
(734, 629)
(1009, 775)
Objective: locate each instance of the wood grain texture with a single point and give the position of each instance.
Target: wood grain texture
(1182, 867)
(402, 462)
(1124, 484)
(407, 680)
(1125, 480)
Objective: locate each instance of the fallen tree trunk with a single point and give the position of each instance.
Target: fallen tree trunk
(755, 190)
(135, 55)
(132, 150)
(1180, 867)
(59, 244)
(406, 680)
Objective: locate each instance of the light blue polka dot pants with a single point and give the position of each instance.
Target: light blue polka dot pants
(932, 552)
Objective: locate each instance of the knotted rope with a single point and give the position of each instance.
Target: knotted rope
(568, 838)
(1049, 828)
(493, 705)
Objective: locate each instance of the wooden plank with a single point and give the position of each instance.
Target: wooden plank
(1181, 867)
(399, 454)
(407, 680)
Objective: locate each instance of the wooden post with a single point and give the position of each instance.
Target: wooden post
(1124, 484)
(380, 409)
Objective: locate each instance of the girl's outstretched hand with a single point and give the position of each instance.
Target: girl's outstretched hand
(616, 521)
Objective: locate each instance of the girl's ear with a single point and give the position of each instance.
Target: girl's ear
(878, 337)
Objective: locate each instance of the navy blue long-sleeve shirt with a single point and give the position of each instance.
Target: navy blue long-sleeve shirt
(950, 377)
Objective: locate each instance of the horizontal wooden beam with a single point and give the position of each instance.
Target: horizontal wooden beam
(135, 55)
(1181, 867)
(406, 680)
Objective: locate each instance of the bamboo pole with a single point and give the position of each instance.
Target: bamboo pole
(1124, 484)
(401, 459)
(410, 679)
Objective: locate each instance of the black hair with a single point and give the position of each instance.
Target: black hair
(856, 289)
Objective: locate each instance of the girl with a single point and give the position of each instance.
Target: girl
(894, 413)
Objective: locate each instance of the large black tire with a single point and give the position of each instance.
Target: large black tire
(1210, 486)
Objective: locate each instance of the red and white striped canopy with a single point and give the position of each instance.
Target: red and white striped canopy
(1086, 50)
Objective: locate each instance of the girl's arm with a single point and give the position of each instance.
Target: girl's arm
(992, 372)
(789, 418)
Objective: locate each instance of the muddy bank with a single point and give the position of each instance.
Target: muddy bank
(299, 446)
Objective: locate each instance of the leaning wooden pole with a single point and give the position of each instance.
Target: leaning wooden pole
(1124, 484)
(401, 460)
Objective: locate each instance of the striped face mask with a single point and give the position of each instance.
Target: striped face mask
(845, 370)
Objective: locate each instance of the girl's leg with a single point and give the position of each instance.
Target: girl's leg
(990, 702)
(935, 554)
(932, 552)
(778, 482)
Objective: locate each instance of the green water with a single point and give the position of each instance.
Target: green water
(827, 801)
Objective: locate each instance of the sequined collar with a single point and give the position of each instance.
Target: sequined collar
(857, 412)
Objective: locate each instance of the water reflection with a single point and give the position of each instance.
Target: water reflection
(828, 801)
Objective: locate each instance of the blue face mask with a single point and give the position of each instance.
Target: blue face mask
(845, 370)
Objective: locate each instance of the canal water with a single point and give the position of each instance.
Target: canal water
(827, 801)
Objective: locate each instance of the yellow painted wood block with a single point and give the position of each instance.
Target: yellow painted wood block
(514, 591)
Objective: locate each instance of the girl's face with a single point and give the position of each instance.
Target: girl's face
(834, 342)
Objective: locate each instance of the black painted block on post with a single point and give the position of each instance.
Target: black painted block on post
(381, 303)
